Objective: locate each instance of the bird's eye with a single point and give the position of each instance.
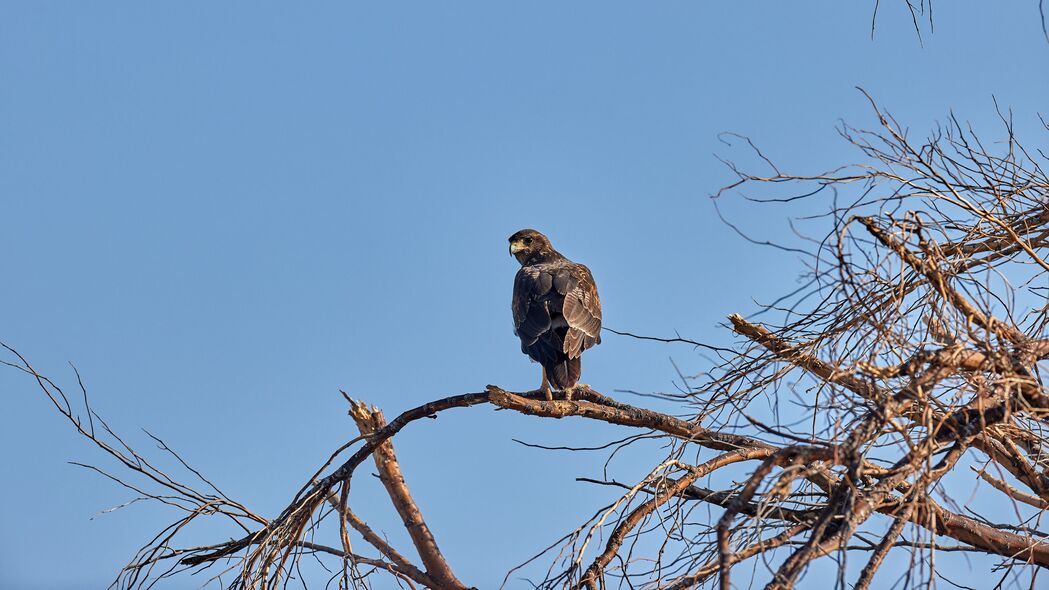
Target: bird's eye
(528, 241)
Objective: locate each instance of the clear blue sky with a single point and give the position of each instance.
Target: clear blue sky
(223, 213)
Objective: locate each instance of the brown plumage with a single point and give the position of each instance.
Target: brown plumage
(557, 312)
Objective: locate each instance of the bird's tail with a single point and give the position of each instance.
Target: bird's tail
(565, 374)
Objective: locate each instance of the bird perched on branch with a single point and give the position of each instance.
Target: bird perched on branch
(557, 313)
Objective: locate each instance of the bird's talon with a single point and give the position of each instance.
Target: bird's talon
(577, 387)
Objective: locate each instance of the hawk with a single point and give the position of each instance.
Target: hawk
(557, 313)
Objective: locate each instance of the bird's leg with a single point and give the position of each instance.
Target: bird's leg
(545, 387)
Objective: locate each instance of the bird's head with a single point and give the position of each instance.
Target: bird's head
(529, 244)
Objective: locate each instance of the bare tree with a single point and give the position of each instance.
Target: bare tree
(902, 378)
(921, 15)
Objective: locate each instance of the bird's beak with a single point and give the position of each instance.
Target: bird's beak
(516, 247)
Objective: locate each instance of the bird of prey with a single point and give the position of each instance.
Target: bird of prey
(557, 313)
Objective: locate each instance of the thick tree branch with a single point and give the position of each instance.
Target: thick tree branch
(624, 415)
(370, 421)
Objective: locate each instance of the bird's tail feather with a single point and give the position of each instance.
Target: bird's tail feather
(565, 374)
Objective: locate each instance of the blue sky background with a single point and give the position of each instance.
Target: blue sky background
(222, 213)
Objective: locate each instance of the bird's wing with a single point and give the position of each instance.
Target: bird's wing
(581, 308)
(530, 308)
